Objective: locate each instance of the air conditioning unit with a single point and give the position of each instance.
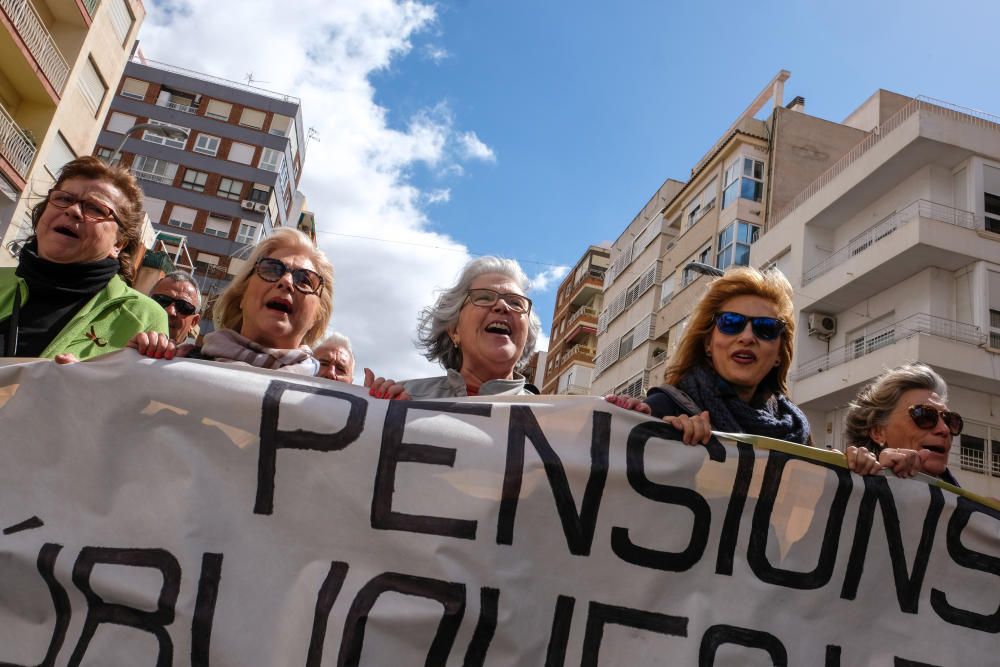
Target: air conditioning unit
(247, 204)
(822, 325)
(260, 208)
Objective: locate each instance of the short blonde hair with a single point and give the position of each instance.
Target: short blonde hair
(228, 313)
(740, 281)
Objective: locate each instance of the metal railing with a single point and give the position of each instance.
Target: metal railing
(178, 107)
(920, 208)
(586, 311)
(213, 79)
(921, 323)
(36, 36)
(155, 178)
(15, 146)
(953, 111)
(91, 6)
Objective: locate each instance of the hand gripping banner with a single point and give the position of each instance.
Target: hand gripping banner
(191, 513)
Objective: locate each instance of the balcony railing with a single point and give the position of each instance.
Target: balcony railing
(574, 390)
(39, 41)
(586, 311)
(920, 208)
(953, 111)
(921, 323)
(155, 178)
(179, 107)
(91, 6)
(15, 146)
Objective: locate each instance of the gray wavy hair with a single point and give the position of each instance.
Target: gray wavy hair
(436, 321)
(876, 401)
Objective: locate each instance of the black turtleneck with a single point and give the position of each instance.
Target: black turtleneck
(55, 293)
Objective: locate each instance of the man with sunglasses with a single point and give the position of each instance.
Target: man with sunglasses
(178, 294)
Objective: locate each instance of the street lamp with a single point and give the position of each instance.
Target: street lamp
(162, 130)
(704, 269)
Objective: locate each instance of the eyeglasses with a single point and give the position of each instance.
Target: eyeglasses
(304, 280)
(91, 209)
(183, 308)
(765, 328)
(926, 417)
(487, 298)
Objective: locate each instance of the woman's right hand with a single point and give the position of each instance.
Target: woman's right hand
(380, 387)
(696, 430)
(153, 344)
(903, 462)
(628, 403)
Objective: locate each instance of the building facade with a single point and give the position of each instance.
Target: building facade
(59, 63)
(232, 180)
(573, 342)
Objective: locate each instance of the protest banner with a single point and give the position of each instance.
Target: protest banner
(186, 512)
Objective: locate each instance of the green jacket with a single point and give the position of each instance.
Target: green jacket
(104, 324)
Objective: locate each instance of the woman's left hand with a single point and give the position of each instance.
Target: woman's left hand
(153, 344)
(903, 462)
(628, 403)
(861, 460)
(67, 358)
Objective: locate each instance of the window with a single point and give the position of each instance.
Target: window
(178, 100)
(734, 244)
(743, 179)
(154, 208)
(134, 88)
(194, 180)
(183, 217)
(248, 232)
(701, 204)
(164, 140)
(92, 85)
(667, 290)
(992, 213)
(216, 226)
(279, 125)
(704, 257)
(261, 194)
(626, 344)
(120, 123)
(218, 109)
(242, 153)
(270, 159)
(878, 334)
(59, 154)
(104, 153)
(252, 118)
(207, 144)
(230, 189)
(207, 261)
(121, 19)
(995, 329)
(150, 169)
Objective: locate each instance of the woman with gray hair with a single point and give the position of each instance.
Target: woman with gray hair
(902, 416)
(479, 330)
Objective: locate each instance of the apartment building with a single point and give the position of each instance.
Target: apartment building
(219, 162)
(58, 60)
(573, 341)
(894, 254)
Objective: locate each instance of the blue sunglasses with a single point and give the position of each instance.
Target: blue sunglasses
(765, 328)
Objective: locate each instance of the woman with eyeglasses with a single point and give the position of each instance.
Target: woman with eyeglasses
(479, 330)
(69, 297)
(278, 305)
(902, 416)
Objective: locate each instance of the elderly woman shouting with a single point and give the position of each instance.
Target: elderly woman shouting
(69, 296)
(479, 330)
(277, 306)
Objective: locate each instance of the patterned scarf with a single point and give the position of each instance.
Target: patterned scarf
(775, 417)
(227, 345)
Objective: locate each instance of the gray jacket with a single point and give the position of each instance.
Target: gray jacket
(452, 385)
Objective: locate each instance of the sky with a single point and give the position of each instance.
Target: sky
(453, 129)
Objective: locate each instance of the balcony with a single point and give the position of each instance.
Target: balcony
(176, 106)
(581, 324)
(155, 178)
(38, 40)
(922, 234)
(15, 146)
(574, 390)
(583, 291)
(556, 364)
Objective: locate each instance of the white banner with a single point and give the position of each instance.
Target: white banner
(184, 512)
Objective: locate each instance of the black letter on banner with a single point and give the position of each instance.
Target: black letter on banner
(562, 620)
(328, 593)
(974, 561)
(60, 601)
(734, 512)
(907, 586)
(717, 635)
(832, 656)
(450, 595)
(486, 627)
(99, 611)
(204, 608)
(577, 527)
(635, 470)
(271, 439)
(395, 450)
(604, 614)
(757, 555)
(903, 662)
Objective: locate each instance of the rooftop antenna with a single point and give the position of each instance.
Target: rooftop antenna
(312, 133)
(251, 80)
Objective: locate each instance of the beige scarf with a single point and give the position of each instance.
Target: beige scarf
(227, 345)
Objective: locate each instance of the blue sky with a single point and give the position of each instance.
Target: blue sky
(532, 129)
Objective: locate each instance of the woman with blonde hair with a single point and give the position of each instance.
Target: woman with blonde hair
(278, 305)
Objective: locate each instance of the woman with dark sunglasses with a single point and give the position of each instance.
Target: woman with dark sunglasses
(277, 306)
(70, 296)
(903, 417)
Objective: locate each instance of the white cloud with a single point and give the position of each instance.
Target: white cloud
(472, 148)
(356, 178)
(542, 344)
(542, 280)
(435, 53)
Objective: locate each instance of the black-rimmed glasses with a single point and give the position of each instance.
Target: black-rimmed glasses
(487, 298)
(304, 280)
(926, 417)
(733, 324)
(183, 308)
(91, 209)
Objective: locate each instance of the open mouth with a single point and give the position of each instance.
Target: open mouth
(66, 231)
(746, 357)
(937, 449)
(279, 305)
(498, 328)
